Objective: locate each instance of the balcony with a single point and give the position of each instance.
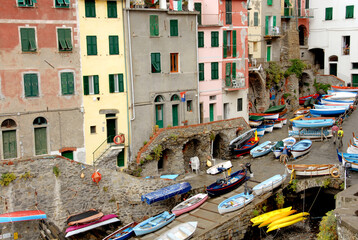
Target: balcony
(273, 32)
(235, 84)
(208, 20)
(160, 4)
(289, 12)
(305, 13)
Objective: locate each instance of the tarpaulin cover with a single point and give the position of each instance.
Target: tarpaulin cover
(167, 192)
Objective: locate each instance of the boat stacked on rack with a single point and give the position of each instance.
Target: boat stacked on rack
(303, 99)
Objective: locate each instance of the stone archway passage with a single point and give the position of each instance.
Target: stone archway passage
(218, 147)
(165, 162)
(190, 149)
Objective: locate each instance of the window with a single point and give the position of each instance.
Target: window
(355, 65)
(239, 104)
(40, 132)
(329, 13)
(175, 97)
(174, 62)
(64, 39)
(201, 71)
(174, 28)
(197, 7)
(212, 98)
(200, 39)
(116, 83)
(154, 25)
(228, 8)
(91, 45)
(215, 39)
(189, 104)
(256, 19)
(214, 70)
(67, 83)
(255, 46)
(112, 9)
(9, 142)
(90, 85)
(113, 45)
(31, 85)
(307, 4)
(269, 2)
(233, 70)
(155, 62)
(62, 3)
(228, 74)
(90, 8)
(350, 11)
(248, 19)
(28, 41)
(26, 3)
(229, 45)
(346, 45)
(354, 80)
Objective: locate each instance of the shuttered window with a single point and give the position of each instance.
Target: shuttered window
(26, 3)
(116, 83)
(233, 70)
(256, 19)
(113, 45)
(64, 39)
(329, 13)
(201, 71)
(225, 44)
(234, 43)
(112, 9)
(91, 45)
(350, 11)
(31, 85)
(62, 3)
(90, 8)
(269, 2)
(90, 85)
(155, 62)
(174, 66)
(228, 7)
(197, 7)
(154, 25)
(214, 70)
(174, 28)
(200, 39)
(215, 39)
(228, 74)
(28, 40)
(239, 104)
(67, 83)
(267, 24)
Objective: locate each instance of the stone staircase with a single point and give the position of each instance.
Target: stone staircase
(108, 157)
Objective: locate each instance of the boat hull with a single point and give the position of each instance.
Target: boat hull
(201, 198)
(269, 184)
(235, 203)
(91, 226)
(122, 233)
(217, 189)
(301, 148)
(328, 112)
(262, 149)
(180, 232)
(214, 169)
(154, 223)
(311, 169)
(313, 123)
(246, 148)
(20, 216)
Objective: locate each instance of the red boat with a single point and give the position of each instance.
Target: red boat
(22, 216)
(250, 144)
(345, 89)
(303, 99)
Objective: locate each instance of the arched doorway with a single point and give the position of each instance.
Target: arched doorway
(175, 109)
(333, 65)
(318, 57)
(218, 147)
(9, 141)
(190, 149)
(302, 33)
(40, 133)
(164, 162)
(159, 112)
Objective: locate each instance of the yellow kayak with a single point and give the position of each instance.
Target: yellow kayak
(276, 217)
(263, 217)
(285, 224)
(297, 118)
(287, 219)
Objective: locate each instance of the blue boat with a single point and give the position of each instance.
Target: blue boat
(348, 156)
(319, 106)
(167, 192)
(235, 202)
(328, 112)
(122, 233)
(269, 184)
(301, 148)
(315, 123)
(154, 223)
(262, 149)
(336, 101)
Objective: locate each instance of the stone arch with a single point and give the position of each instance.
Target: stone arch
(218, 147)
(257, 91)
(165, 162)
(318, 57)
(175, 97)
(305, 85)
(190, 149)
(302, 34)
(8, 123)
(333, 58)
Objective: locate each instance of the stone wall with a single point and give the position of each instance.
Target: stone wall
(330, 79)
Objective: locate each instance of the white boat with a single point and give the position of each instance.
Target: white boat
(278, 124)
(301, 148)
(352, 149)
(317, 106)
(180, 232)
(235, 202)
(260, 131)
(289, 142)
(354, 163)
(269, 184)
(262, 149)
(214, 169)
(284, 121)
(91, 226)
(268, 128)
(190, 204)
(342, 95)
(254, 123)
(311, 169)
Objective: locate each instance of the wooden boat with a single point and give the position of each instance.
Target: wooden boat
(278, 148)
(278, 123)
(154, 223)
(260, 131)
(327, 106)
(311, 169)
(301, 148)
(227, 184)
(287, 219)
(354, 163)
(235, 202)
(84, 217)
(269, 184)
(275, 109)
(348, 156)
(250, 144)
(122, 233)
(319, 123)
(181, 232)
(166, 192)
(254, 123)
(268, 128)
(256, 118)
(328, 112)
(263, 217)
(302, 100)
(241, 140)
(302, 110)
(20, 216)
(352, 149)
(324, 101)
(355, 139)
(344, 89)
(282, 113)
(222, 166)
(262, 149)
(76, 229)
(190, 204)
(297, 118)
(284, 121)
(268, 116)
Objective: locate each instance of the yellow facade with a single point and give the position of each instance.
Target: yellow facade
(98, 106)
(255, 32)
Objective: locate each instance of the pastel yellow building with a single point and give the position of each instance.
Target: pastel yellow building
(104, 81)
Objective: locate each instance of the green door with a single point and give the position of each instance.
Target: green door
(111, 130)
(159, 115)
(175, 115)
(268, 52)
(211, 112)
(120, 159)
(354, 80)
(9, 144)
(333, 69)
(67, 154)
(40, 141)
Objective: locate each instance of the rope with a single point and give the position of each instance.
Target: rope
(315, 199)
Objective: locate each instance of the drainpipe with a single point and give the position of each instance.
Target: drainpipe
(130, 65)
(197, 65)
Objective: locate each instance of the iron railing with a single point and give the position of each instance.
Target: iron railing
(102, 148)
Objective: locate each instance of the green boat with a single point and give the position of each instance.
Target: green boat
(275, 109)
(256, 118)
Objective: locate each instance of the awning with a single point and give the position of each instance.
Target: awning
(167, 192)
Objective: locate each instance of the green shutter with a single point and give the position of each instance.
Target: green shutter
(120, 83)
(200, 39)
(25, 44)
(214, 70)
(201, 71)
(173, 28)
(90, 8)
(70, 83)
(234, 70)
(155, 61)
(113, 45)
(274, 21)
(34, 85)
(228, 74)
(96, 84)
(354, 80)
(27, 85)
(228, 6)
(234, 43)
(64, 85)
(267, 25)
(214, 39)
(225, 44)
(111, 83)
(112, 9)
(68, 38)
(329, 13)
(269, 2)
(197, 7)
(91, 45)
(154, 25)
(85, 85)
(32, 39)
(120, 159)
(64, 39)
(248, 19)
(40, 141)
(9, 144)
(349, 11)
(256, 19)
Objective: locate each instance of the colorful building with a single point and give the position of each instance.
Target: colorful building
(41, 90)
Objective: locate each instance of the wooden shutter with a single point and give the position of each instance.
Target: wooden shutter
(228, 74)
(173, 27)
(25, 44)
(61, 39)
(112, 9)
(34, 88)
(225, 44)
(269, 2)
(214, 39)
(85, 85)
(197, 7)
(113, 45)
(154, 26)
(68, 38)
(234, 43)
(90, 8)
(201, 71)
(120, 159)
(267, 25)
(307, 6)
(200, 39)
(349, 11)
(274, 21)
(120, 83)
(91, 45)
(111, 83)
(256, 19)
(40, 141)
(214, 70)
(32, 39)
(70, 83)
(27, 85)
(228, 11)
(64, 84)
(234, 70)
(96, 84)
(9, 144)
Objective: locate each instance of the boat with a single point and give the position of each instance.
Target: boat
(275, 109)
(319, 123)
(302, 111)
(244, 149)
(354, 163)
(268, 128)
(254, 123)
(311, 169)
(282, 113)
(240, 141)
(286, 224)
(167, 192)
(190, 204)
(263, 217)
(227, 184)
(84, 217)
(284, 121)
(349, 156)
(122, 233)
(20, 216)
(269, 184)
(328, 112)
(342, 96)
(355, 139)
(154, 223)
(328, 106)
(301, 148)
(267, 116)
(262, 149)
(324, 101)
(276, 217)
(182, 231)
(344, 89)
(303, 99)
(256, 118)
(235, 202)
(297, 117)
(278, 148)
(278, 123)
(76, 229)
(287, 219)
(223, 166)
(352, 149)
(260, 131)
(310, 133)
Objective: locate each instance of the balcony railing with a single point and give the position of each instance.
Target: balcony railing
(273, 31)
(289, 12)
(305, 13)
(235, 83)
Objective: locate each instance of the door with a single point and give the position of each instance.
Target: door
(211, 112)
(175, 115)
(333, 69)
(354, 80)
(159, 115)
(9, 144)
(268, 52)
(67, 154)
(120, 159)
(111, 130)
(40, 141)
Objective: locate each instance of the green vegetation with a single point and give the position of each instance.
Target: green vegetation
(286, 95)
(145, 143)
(137, 172)
(148, 157)
(56, 171)
(112, 200)
(105, 189)
(212, 136)
(158, 150)
(26, 175)
(264, 208)
(280, 200)
(328, 227)
(7, 178)
(341, 186)
(255, 212)
(322, 86)
(293, 185)
(174, 136)
(326, 183)
(274, 74)
(297, 67)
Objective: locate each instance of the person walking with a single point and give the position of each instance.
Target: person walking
(340, 137)
(334, 133)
